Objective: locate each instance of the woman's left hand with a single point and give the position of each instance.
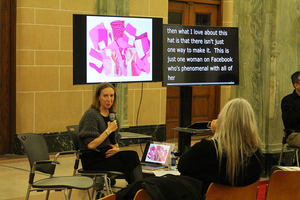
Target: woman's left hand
(112, 151)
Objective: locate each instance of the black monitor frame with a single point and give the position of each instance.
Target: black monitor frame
(80, 49)
(200, 55)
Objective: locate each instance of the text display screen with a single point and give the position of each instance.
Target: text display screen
(200, 55)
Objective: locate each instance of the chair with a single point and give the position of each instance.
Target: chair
(73, 131)
(142, 194)
(218, 192)
(284, 185)
(109, 197)
(38, 156)
(286, 134)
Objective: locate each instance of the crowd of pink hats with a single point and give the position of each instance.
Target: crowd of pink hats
(120, 51)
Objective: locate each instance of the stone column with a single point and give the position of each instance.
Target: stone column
(269, 52)
(117, 8)
(112, 7)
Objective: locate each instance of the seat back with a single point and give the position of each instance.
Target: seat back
(286, 134)
(37, 150)
(73, 131)
(284, 185)
(142, 194)
(218, 192)
(109, 197)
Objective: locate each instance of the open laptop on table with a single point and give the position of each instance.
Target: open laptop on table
(156, 155)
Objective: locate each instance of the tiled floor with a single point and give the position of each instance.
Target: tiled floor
(14, 172)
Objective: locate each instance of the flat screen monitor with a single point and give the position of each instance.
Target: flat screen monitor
(200, 55)
(116, 49)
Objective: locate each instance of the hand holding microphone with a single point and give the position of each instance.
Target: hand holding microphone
(112, 125)
(112, 116)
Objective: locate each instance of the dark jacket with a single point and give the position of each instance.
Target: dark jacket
(168, 187)
(201, 162)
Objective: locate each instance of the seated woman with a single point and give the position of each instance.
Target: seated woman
(97, 131)
(233, 156)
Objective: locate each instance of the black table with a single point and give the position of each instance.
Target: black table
(127, 136)
(130, 135)
(185, 134)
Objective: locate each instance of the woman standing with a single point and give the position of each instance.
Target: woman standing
(233, 156)
(98, 131)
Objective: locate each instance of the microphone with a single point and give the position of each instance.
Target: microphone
(112, 116)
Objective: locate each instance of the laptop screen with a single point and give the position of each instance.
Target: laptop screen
(157, 153)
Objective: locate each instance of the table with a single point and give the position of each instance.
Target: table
(185, 134)
(127, 136)
(159, 172)
(130, 135)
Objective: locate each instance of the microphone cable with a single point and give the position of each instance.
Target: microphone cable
(138, 113)
(137, 117)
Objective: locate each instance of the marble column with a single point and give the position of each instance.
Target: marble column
(269, 52)
(112, 7)
(116, 8)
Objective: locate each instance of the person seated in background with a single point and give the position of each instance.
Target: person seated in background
(290, 108)
(233, 156)
(97, 131)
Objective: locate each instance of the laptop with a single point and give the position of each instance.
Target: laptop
(156, 155)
